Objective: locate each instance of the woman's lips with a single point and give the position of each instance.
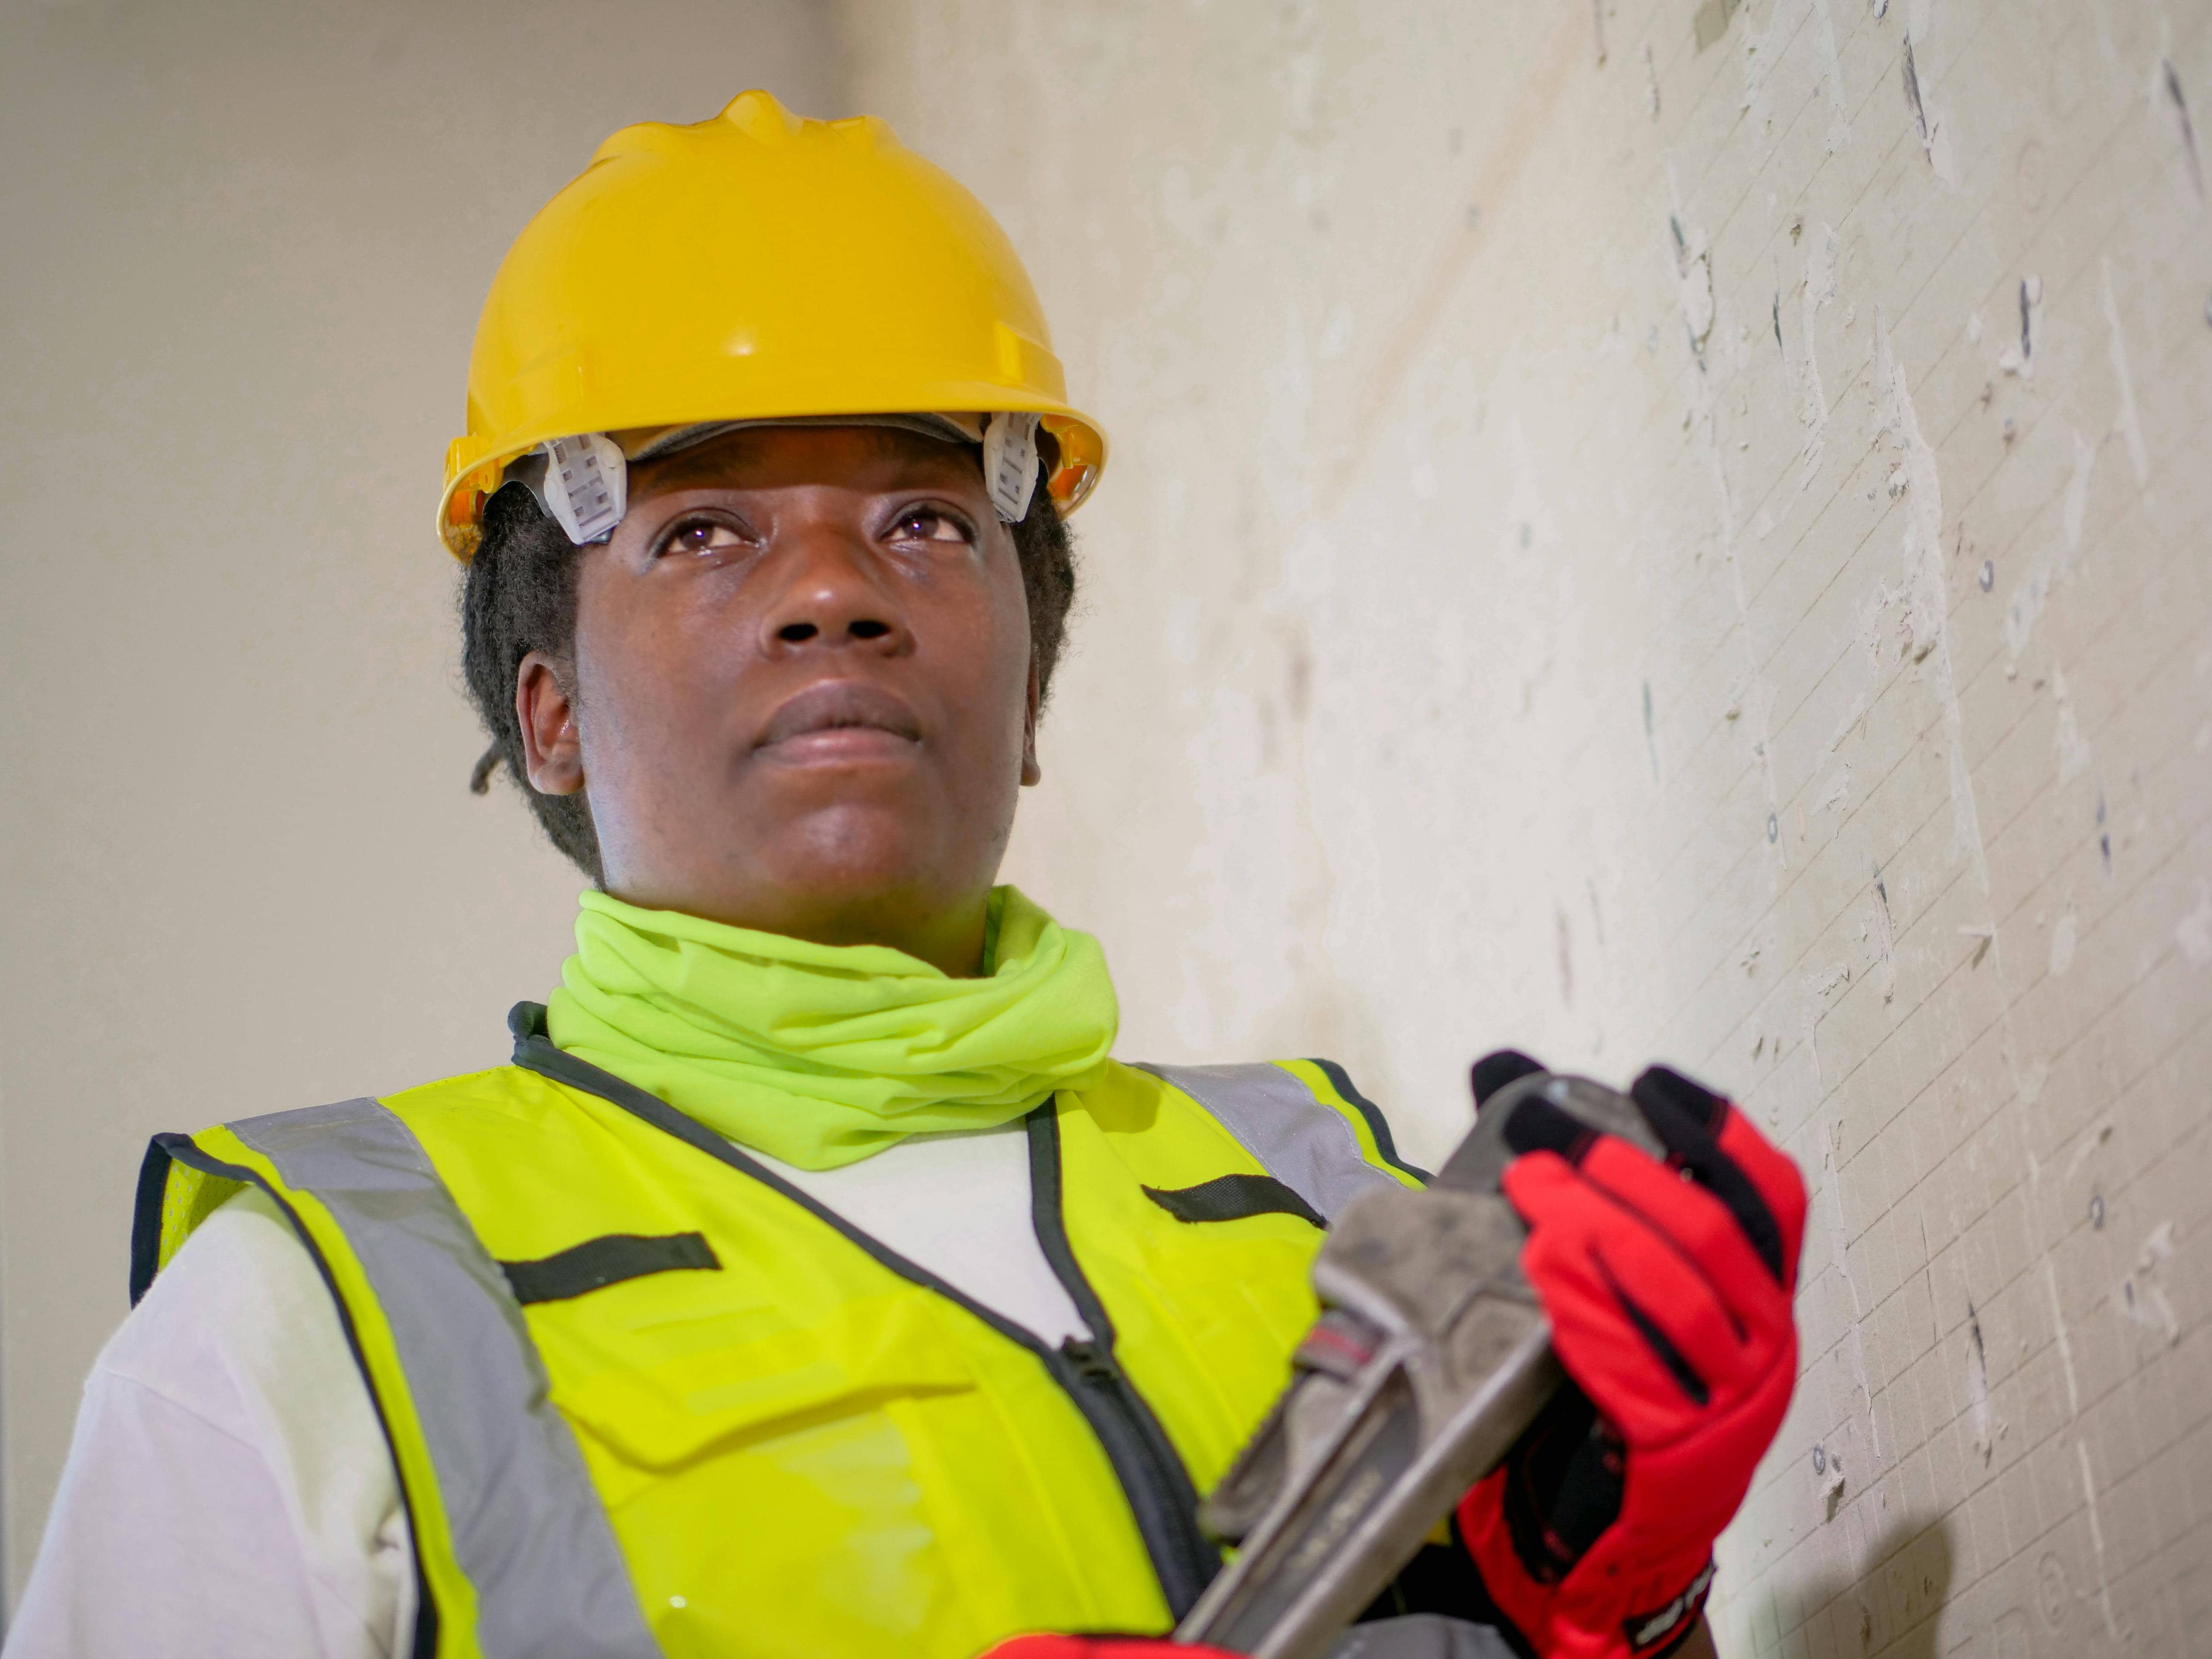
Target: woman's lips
(841, 721)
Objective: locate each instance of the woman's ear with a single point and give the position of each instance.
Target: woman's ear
(1032, 772)
(545, 708)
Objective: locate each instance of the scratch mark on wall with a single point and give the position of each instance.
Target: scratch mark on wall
(1912, 104)
(1755, 693)
(1693, 269)
(1650, 736)
(2097, 1542)
(1831, 73)
(1651, 83)
(2018, 356)
(2074, 752)
(2065, 1343)
(1837, 792)
(1832, 984)
(1885, 940)
(1924, 557)
(1760, 54)
(1597, 30)
(2129, 422)
(2184, 129)
(2064, 938)
(1930, 125)
(2049, 566)
(2144, 1300)
(1979, 1428)
(1828, 1202)
(2074, 510)
(1812, 397)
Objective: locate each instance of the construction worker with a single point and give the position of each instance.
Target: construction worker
(812, 1281)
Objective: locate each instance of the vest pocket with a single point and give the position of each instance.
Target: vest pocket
(700, 1394)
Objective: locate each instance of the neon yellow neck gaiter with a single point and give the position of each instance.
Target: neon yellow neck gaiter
(822, 1055)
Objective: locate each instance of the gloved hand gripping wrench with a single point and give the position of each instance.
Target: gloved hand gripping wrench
(1431, 1357)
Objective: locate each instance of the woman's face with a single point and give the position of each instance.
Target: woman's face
(802, 697)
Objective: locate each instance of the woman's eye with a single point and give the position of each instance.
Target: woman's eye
(703, 536)
(928, 524)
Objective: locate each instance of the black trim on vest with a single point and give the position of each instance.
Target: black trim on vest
(146, 1214)
(1153, 1480)
(1376, 1126)
(1232, 1198)
(610, 1260)
(166, 1149)
(1159, 1488)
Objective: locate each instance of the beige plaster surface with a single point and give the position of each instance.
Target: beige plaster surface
(1589, 561)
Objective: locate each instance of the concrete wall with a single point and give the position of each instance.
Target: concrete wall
(244, 248)
(1678, 527)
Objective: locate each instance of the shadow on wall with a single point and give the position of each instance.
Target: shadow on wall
(1888, 1612)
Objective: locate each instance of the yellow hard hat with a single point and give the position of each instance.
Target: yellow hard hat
(755, 266)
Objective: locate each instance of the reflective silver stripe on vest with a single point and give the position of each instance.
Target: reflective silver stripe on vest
(1301, 1141)
(528, 1527)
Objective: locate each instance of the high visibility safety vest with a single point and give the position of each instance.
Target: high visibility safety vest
(646, 1397)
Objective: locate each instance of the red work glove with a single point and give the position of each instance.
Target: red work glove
(1668, 1289)
(1097, 1647)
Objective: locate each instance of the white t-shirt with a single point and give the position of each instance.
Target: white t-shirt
(229, 1493)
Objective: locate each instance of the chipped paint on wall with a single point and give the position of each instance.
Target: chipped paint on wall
(1832, 76)
(2173, 101)
(2129, 421)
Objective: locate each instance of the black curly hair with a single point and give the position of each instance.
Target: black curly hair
(519, 596)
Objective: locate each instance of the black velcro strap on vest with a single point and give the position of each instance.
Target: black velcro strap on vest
(1232, 1198)
(598, 1262)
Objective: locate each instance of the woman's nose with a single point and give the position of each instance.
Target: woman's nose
(832, 597)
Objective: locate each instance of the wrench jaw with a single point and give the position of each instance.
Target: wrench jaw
(1428, 1325)
(1337, 1366)
(1431, 1357)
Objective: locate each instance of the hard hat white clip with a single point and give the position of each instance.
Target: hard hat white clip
(586, 485)
(1010, 462)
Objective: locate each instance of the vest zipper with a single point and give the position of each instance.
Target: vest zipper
(1152, 1473)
